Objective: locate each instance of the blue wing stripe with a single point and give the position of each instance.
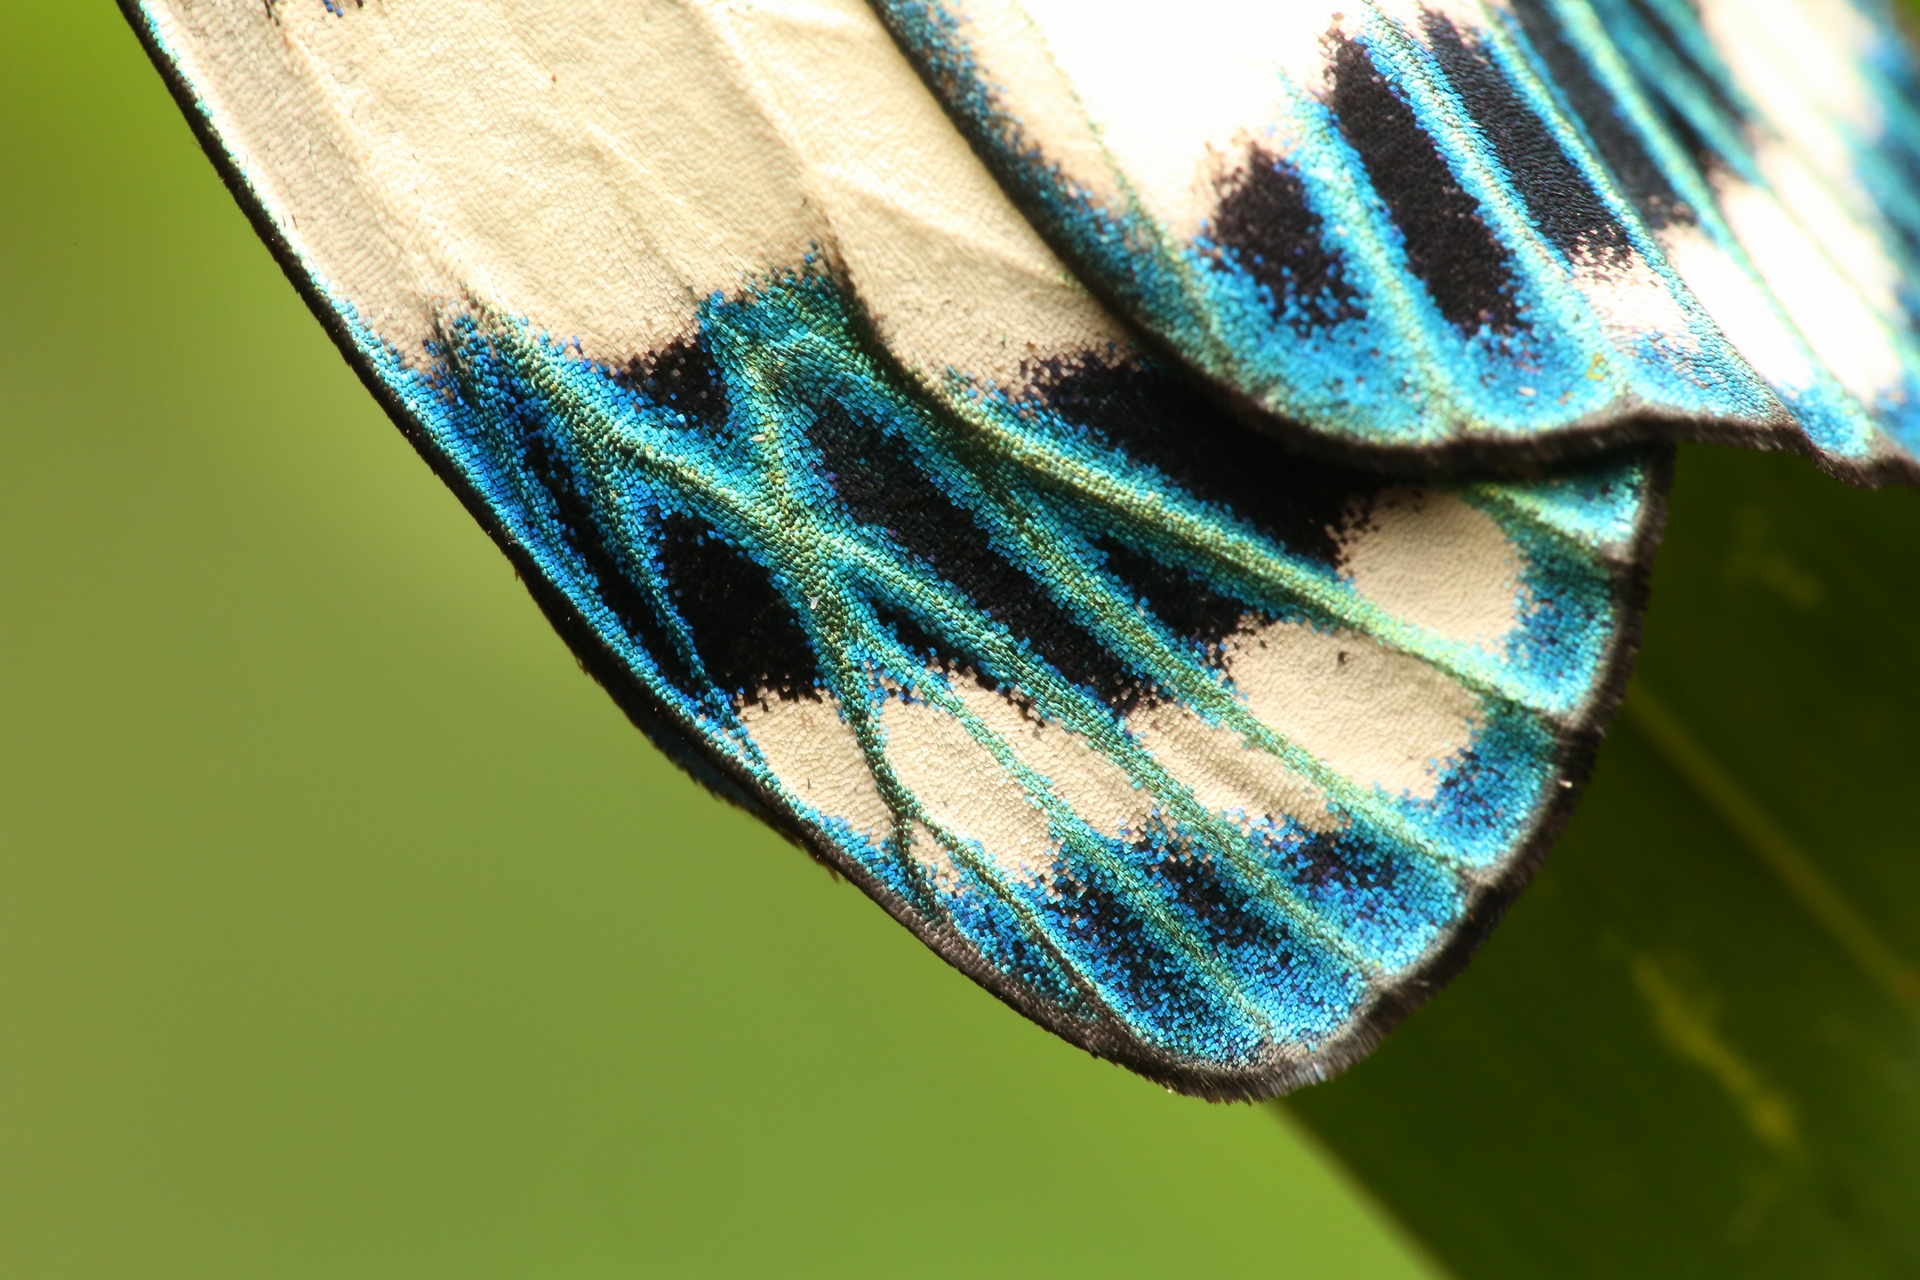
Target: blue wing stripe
(1222, 948)
(1418, 281)
(1180, 742)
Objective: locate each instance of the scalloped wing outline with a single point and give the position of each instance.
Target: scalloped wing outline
(1043, 805)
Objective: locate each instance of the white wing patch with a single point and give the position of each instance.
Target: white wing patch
(600, 172)
(1836, 321)
(952, 275)
(1098, 790)
(1434, 560)
(813, 751)
(966, 790)
(780, 402)
(594, 171)
(1170, 93)
(1380, 717)
(1746, 313)
(1226, 774)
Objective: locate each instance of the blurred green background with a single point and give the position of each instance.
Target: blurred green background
(347, 929)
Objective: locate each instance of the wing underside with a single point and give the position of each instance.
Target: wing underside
(1474, 232)
(1211, 757)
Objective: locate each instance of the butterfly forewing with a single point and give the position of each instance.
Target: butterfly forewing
(1211, 757)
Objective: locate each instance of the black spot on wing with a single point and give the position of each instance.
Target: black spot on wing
(580, 529)
(1299, 502)
(1115, 943)
(883, 486)
(1560, 201)
(1330, 860)
(1187, 606)
(743, 629)
(1449, 246)
(682, 377)
(1265, 955)
(1639, 178)
(1264, 223)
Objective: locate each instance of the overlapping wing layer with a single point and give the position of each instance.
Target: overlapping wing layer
(1484, 231)
(1212, 759)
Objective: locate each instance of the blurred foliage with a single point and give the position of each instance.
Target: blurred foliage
(1693, 1048)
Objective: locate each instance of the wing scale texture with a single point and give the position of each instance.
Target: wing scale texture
(1474, 232)
(1212, 758)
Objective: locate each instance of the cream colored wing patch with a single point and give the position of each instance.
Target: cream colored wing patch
(1210, 757)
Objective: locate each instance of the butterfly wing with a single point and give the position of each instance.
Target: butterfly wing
(1483, 231)
(1212, 759)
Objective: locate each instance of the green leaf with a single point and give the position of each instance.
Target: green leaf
(1693, 1048)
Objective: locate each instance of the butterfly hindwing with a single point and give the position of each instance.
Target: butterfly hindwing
(1202, 798)
(1210, 757)
(1483, 231)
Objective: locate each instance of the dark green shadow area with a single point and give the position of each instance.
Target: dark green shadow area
(347, 930)
(1693, 1048)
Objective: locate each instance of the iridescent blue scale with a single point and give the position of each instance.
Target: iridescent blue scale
(1229, 957)
(1453, 192)
(1205, 698)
